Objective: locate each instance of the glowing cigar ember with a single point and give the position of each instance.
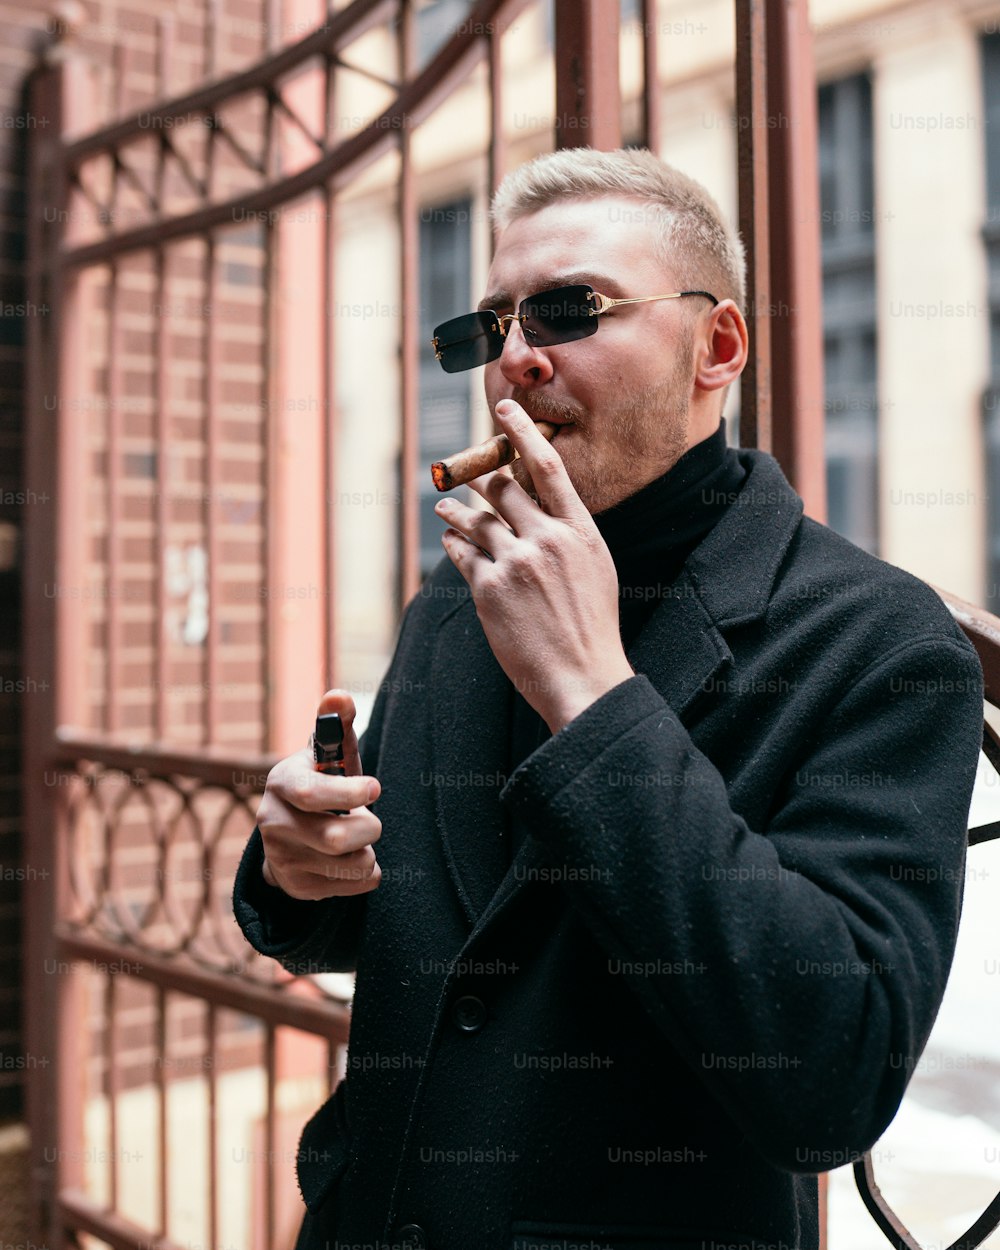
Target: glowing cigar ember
(463, 466)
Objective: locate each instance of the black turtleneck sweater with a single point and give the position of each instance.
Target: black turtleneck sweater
(649, 535)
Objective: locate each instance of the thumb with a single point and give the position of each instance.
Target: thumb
(342, 703)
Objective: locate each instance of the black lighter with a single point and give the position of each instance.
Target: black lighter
(328, 748)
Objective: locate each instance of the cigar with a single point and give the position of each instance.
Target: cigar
(463, 466)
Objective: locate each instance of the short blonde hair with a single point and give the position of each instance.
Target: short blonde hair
(690, 227)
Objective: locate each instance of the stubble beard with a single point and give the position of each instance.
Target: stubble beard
(611, 455)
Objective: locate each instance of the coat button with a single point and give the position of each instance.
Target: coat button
(411, 1237)
(469, 1013)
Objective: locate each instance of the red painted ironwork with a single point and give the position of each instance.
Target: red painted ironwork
(793, 214)
(147, 825)
(752, 106)
(781, 408)
(409, 295)
(651, 69)
(588, 99)
(982, 629)
(178, 791)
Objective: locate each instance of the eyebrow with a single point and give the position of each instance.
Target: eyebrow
(582, 277)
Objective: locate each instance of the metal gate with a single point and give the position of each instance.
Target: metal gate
(187, 258)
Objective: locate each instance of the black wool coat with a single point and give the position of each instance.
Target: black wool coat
(716, 957)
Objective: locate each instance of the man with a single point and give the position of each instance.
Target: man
(669, 784)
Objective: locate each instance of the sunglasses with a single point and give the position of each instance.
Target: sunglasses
(562, 315)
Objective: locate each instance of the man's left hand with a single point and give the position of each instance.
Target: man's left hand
(548, 598)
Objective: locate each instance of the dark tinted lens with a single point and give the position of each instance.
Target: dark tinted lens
(558, 316)
(465, 342)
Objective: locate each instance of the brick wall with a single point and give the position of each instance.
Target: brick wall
(242, 35)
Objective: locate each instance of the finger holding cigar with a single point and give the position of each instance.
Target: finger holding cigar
(486, 457)
(535, 559)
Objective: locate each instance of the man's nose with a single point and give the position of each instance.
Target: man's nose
(520, 361)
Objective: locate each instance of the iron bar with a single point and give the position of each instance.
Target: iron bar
(272, 476)
(795, 254)
(650, 75)
(208, 159)
(161, 428)
(370, 74)
(416, 101)
(752, 163)
(328, 350)
(328, 347)
(198, 185)
(325, 1017)
(123, 167)
(983, 631)
(211, 38)
(588, 96)
(332, 1066)
(212, 765)
(120, 57)
(212, 1111)
(897, 1234)
(343, 28)
(53, 1100)
(245, 155)
(984, 833)
(105, 209)
(83, 1214)
(270, 1133)
(161, 511)
(211, 480)
(280, 102)
(498, 148)
(113, 507)
(164, 51)
(409, 559)
(163, 1134)
(111, 1078)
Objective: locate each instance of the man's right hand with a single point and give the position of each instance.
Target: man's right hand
(309, 853)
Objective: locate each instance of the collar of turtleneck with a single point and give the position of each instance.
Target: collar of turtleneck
(652, 533)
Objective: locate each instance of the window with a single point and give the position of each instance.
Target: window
(445, 410)
(991, 237)
(436, 22)
(849, 335)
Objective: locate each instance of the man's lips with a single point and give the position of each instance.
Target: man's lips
(541, 407)
(559, 422)
(560, 426)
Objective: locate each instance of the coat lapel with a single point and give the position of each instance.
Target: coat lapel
(681, 652)
(681, 649)
(472, 709)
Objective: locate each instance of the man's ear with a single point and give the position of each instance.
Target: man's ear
(723, 348)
